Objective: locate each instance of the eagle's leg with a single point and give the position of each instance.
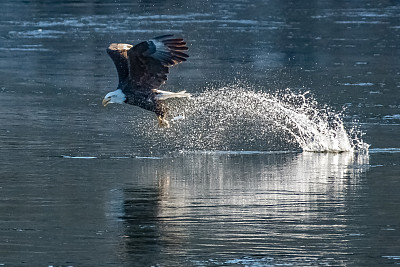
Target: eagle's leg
(162, 122)
(161, 112)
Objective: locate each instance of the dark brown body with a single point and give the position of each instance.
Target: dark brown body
(147, 100)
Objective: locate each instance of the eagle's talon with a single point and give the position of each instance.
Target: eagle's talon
(163, 123)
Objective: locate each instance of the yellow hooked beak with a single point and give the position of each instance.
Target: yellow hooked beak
(106, 101)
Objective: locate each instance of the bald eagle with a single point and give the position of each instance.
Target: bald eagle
(142, 69)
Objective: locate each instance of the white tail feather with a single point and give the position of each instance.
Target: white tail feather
(162, 95)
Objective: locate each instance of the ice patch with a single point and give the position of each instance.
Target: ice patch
(139, 157)
(392, 117)
(384, 150)
(357, 84)
(78, 157)
(392, 257)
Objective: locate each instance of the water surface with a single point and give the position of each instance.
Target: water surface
(84, 185)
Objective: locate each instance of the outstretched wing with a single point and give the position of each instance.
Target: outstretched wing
(149, 61)
(118, 53)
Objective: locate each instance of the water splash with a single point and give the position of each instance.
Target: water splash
(236, 117)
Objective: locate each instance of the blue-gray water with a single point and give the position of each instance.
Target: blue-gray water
(84, 185)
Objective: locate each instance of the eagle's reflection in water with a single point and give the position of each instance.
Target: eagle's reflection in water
(218, 208)
(151, 235)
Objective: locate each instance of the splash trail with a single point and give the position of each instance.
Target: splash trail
(236, 117)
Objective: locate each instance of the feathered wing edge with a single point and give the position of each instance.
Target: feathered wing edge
(168, 50)
(119, 55)
(149, 61)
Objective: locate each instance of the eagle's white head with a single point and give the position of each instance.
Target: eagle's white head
(116, 96)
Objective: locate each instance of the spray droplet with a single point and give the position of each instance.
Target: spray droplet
(236, 117)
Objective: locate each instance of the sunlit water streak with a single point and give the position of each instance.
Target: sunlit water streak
(238, 118)
(274, 199)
